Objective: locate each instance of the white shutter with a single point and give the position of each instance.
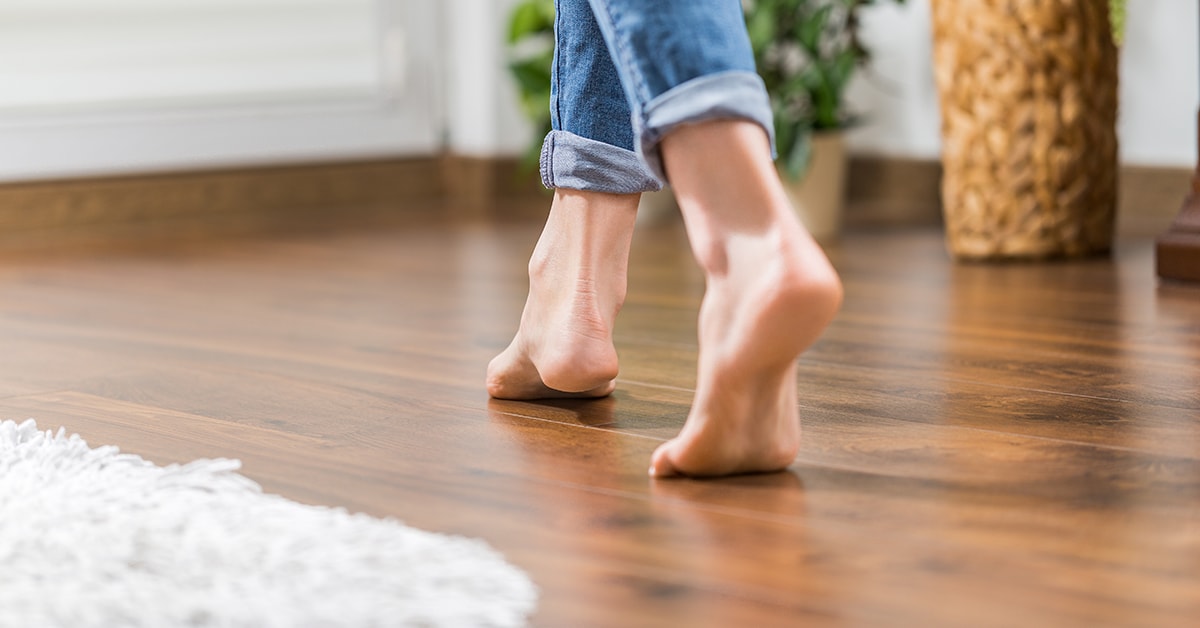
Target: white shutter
(57, 54)
(109, 86)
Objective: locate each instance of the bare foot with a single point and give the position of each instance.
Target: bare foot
(753, 325)
(577, 275)
(770, 293)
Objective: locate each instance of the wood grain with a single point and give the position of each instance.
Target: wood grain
(984, 445)
(891, 192)
(118, 211)
(115, 212)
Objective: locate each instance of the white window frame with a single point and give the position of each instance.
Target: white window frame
(403, 119)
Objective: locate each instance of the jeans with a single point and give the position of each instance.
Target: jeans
(627, 72)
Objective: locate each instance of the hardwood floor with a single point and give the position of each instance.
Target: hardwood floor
(984, 445)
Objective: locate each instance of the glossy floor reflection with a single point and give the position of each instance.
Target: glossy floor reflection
(984, 445)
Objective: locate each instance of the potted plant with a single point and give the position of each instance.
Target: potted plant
(807, 51)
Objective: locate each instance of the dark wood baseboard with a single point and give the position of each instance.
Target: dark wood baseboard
(886, 192)
(1149, 198)
(503, 187)
(898, 192)
(190, 205)
(133, 210)
(475, 184)
(883, 192)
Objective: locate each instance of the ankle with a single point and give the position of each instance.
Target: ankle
(809, 286)
(585, 233)
(785, 270)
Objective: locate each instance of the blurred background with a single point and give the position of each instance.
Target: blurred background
(93, 87)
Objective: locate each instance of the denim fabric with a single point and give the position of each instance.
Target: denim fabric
(627, 72)
(591, 146)
(578, 163)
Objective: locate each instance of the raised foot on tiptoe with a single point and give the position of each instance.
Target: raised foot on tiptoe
(753, 326)
(564, 354)
(577, 272)
(587, 374)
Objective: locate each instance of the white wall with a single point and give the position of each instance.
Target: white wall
(97, 87)
(482, 114)
(433, 75)
(1160, 75)
(1160, 88)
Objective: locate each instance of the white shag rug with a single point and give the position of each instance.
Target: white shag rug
(93, 537)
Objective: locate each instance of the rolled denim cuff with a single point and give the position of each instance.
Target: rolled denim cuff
(578, 163)
(735, 94)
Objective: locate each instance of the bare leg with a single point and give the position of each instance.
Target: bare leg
(770, 292)
(577, 279)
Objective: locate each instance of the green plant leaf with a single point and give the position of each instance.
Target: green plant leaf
(547, 8)
(785, 137)
(823, 95)
(811, 28)
(826, 107)
(1116, 16)
(533, 20)
(842, 69)
(812, 98)
(800, 157)
(529, 18)
(761, 28)
(524, 21)
(533, 75)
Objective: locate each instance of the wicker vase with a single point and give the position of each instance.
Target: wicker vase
(1028, 91)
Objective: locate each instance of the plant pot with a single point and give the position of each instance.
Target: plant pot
(820, 194)
(657, 208)
(1028, 93)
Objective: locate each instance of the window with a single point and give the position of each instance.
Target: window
(108, 86)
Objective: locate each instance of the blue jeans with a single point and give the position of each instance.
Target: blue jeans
(627, 72)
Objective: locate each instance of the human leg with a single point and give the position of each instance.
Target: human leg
(563, 346)
(702, 121)
(770, 292)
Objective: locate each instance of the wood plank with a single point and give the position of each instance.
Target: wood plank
(983, 445)
(848, 383)
(652, 536)
(113, 211)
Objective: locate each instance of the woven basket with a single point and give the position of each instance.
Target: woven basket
(1028, 90)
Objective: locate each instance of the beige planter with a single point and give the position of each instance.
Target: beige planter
(1028, 92)
(657, 208)
(821, 194)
